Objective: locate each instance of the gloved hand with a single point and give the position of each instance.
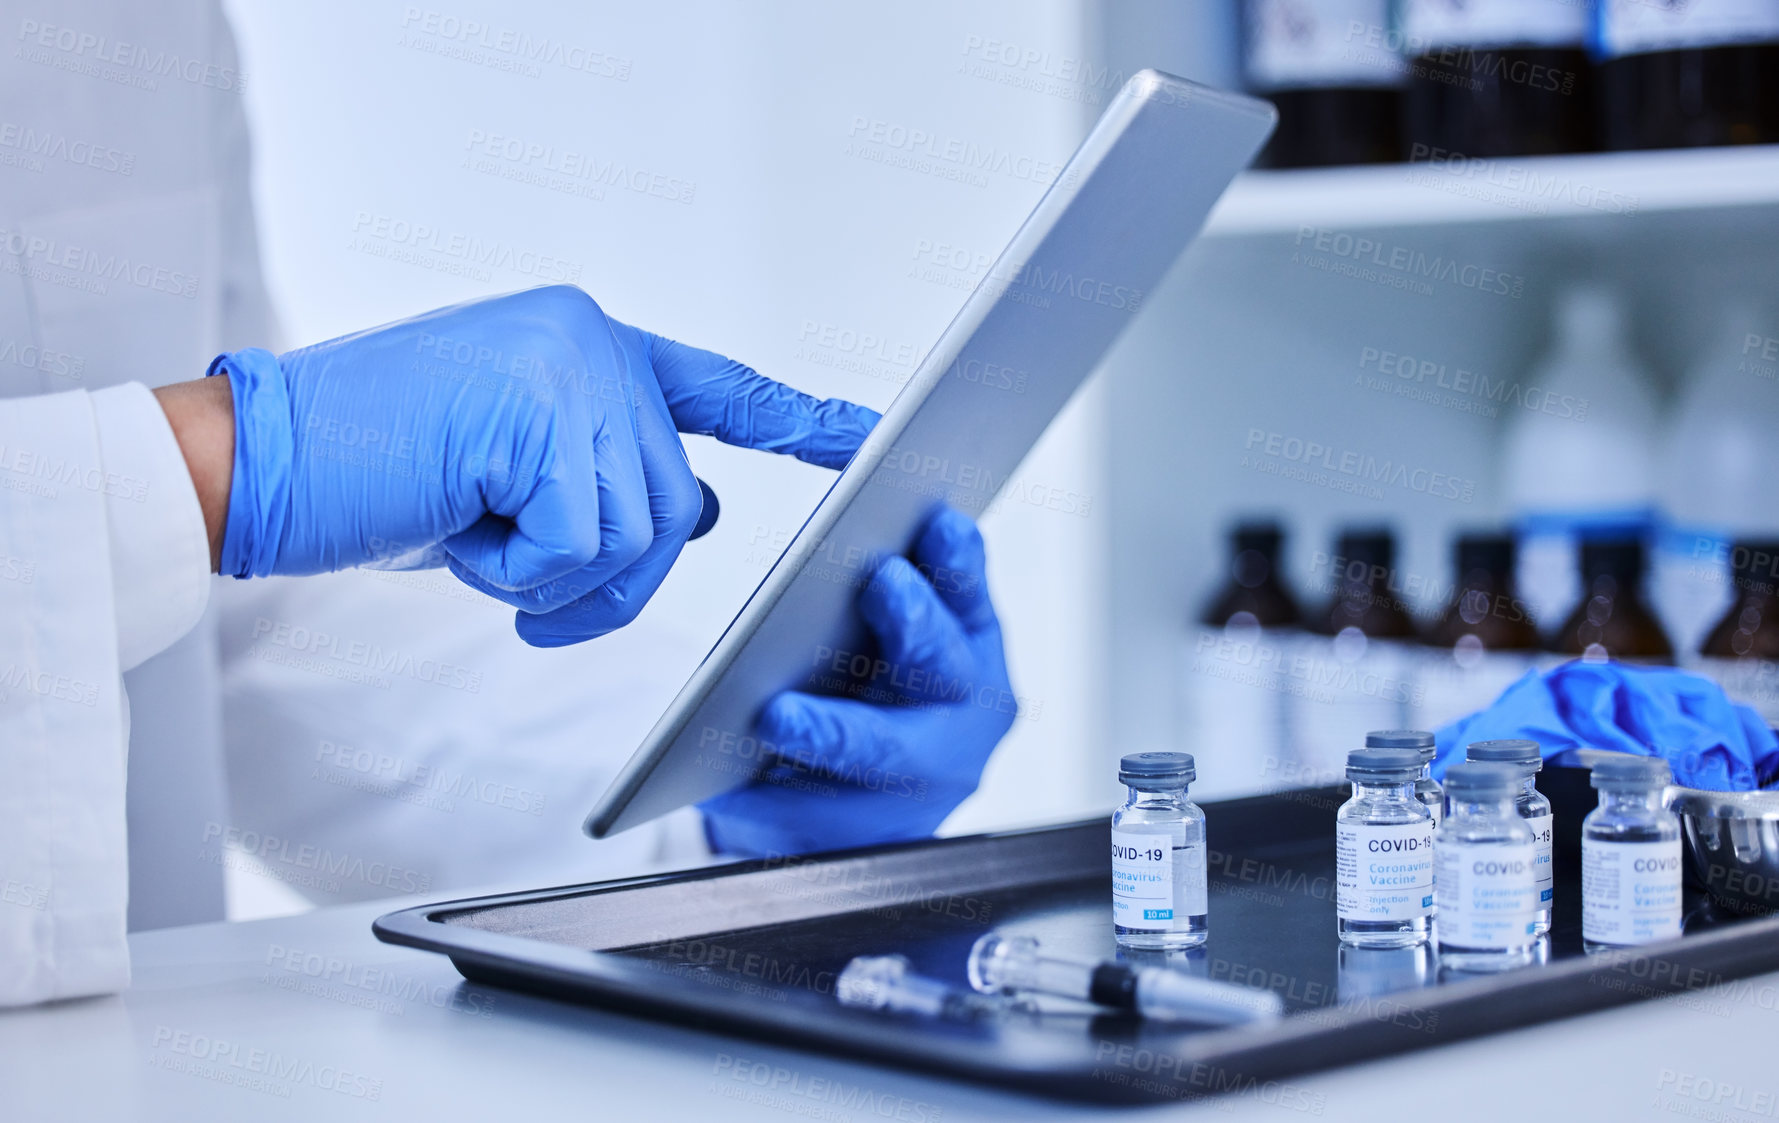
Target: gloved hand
(1686, 719)
(891, 760)
(529, 434)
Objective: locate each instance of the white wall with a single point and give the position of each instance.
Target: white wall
(362, 118)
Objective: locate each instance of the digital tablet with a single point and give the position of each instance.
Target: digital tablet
(1082, 266)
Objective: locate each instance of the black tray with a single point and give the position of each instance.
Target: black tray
(755, 948)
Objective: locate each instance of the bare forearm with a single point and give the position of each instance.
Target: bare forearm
(202, 414)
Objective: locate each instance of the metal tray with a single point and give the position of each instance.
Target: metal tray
(755, 949)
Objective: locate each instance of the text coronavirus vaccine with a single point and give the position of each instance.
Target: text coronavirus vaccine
(1159, 883)
(1383, 853)
(1630, 857)
(1485, 871)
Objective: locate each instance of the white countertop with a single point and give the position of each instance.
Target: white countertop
(235, 1022)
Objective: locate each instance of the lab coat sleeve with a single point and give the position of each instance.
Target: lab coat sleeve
(160, 551)
(99, 556)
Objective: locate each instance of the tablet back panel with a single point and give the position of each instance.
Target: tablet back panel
(1084, 263)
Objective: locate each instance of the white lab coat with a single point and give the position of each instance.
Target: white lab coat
(104, 562)
(123, 173)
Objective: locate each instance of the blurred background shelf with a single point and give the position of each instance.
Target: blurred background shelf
(1289, 322)
(1610, 185)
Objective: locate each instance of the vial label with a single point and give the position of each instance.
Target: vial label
(1630, 891)
(1542, 833)
(1629, 27)
(1487, 896)
(1493, 23)
(1155, 885)
(1383, 871)
(1299, 43)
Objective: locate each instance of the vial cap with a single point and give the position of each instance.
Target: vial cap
(1161, 770)
(1383, 765)
(1513, 751)
(1483, 778)
(1627, 770)
(1418, 739)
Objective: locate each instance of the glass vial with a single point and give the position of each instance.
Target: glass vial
(1383, 853)
(1158, 855)
(1630, 857)
(1484, 871)
(1427, 789)
(1533, 808)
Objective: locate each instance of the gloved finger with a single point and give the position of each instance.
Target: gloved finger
(719, 397)
(675, 501)
(924, 652)
(841, 738)
(602, 523)
(950, 554)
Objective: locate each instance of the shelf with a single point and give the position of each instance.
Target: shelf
(1616, 185)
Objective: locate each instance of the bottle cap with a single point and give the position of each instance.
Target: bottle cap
(1417, 739)
(1157, 770)
(1483, 778)
(1628, 770)
(1513, 751)
(1373, 766)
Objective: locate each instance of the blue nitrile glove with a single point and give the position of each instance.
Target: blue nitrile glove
(530, 435)
(909, 744)
(1686, 719)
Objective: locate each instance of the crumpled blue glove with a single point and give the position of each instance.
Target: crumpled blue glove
(531, 436)
(1686, 719)
(894, 758)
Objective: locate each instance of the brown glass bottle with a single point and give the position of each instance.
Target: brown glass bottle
(1690, 98)
(1363, 575)
(1484, 610)
(1321, 128)
(1750, 629)
(1612, 620)
(1254, 593)
(1333, 71)
(1505, 101)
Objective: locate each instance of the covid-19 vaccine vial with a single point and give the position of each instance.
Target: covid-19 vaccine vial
(1158, 855)
(1427, 789)
(1533, 808)
(1383, 853)
(1485, 871)
(1630, 857)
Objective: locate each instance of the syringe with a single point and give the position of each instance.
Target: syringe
(887, 982)
(1001, 964)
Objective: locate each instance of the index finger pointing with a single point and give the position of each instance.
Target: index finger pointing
(719, 397)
